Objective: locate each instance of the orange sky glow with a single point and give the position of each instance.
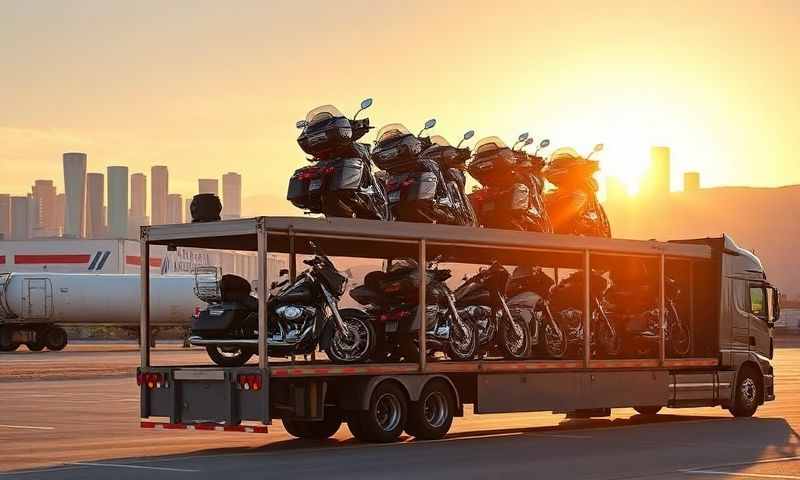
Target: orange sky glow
(209, 87)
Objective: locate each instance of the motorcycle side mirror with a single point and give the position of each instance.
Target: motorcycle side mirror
(365, 104)
(522, 137)
(469, 134)
(527, 142)
(428, 125)
(597, 148)
(544, 143)
(301, 124)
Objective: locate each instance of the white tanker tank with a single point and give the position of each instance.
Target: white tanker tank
(32, 305)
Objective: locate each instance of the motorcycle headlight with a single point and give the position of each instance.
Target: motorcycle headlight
(345, 132)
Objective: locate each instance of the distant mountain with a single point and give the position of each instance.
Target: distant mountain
(763, 220)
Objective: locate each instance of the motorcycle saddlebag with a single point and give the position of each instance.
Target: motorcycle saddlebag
(348, 174)
(217, 320)
(298, 189)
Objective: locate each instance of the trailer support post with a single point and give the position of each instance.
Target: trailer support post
(422, 306)
(144, 319)
(691, 307)
(292, 257)
(661, 313)
(587, 309)
(263, 295)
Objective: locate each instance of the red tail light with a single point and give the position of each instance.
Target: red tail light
(250, 382)
(395, 315)
(196, 313)
(151, 380)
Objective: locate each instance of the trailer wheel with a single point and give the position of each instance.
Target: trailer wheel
(233, 358)
(10, 347)
(386, 418)
(315, 430)
(36, 346)
(55, 338)
(648, 410)
(748, 392)
(7, 344)
(431, 417)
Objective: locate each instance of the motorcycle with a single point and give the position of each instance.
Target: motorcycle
(567, 303)
(392, 302)
(512, 185)
(302, 314)
(573, 207)
(632, 305)
(529, 298)
(340, 183)
(482, 298)
(425, 179)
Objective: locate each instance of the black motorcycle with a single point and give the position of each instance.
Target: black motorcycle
(482, 298)
(573, 207)
(340, 183)
(425, 182)
(301, 315)
(567, 305)
(511, 196)
(529, 298)
(633, 307)
(392, 300)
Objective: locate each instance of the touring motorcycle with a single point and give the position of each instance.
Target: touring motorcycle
(340, 182)
(302, 314)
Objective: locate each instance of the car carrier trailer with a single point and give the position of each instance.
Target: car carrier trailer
(728, 303)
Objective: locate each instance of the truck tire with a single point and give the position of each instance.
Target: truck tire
(649, 410)
(36, 346)
(315, 430)
(431, 417)
(749, 384)
(228, 359)
(7, 344)
(55, 338)
(386, 418)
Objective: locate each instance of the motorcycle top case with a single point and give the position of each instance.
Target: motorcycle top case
(322, 138)
(493, 167)
(397, 154)
(218, 319)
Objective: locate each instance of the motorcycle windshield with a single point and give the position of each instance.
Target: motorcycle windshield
(393, 130)
(322, 113)
(489, 144)
(440, 141)
(564, 154)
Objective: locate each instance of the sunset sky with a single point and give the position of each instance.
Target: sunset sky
(208, 87)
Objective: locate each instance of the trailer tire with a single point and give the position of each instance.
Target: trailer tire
(55, 338)
(36, 346)
(315, 430)
(430, 418)
(386, 418)
(228, 360)
(648, 410)
(9, 348)
(749, 385)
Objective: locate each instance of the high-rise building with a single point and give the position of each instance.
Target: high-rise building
(691, 181)
(5, 216)
(19, 218)
(231, 195)
(208, 185)
(159, 189)
(61, 200)
(75, 190)
(117, 201)
(95, 194)
(138, 195)
(44, 198)
(174, 208)
(659, 170)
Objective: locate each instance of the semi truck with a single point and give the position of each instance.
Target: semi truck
(727, 300)
(34, 307)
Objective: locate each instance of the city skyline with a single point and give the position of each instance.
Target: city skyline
(98, 205)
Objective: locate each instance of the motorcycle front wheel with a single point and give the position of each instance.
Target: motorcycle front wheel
(356, 347)
(679, 341)
(229, 357)
(553, 341)
(515, 338)
(463, 344)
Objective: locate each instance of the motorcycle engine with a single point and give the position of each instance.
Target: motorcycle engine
(294, 320)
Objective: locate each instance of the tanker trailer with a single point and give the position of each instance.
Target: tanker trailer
(33, 306)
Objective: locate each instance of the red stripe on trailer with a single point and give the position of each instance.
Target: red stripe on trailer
(51, 258)
(2, 259)
(204, 427)
(134, 260)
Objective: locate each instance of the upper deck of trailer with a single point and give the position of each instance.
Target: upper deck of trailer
(375, 239)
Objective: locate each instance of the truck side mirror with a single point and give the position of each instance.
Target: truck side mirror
(775, 305)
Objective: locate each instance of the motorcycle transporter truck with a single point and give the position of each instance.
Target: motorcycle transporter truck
(727, 301)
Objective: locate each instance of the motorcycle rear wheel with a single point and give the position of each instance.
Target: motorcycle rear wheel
(235, 358)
